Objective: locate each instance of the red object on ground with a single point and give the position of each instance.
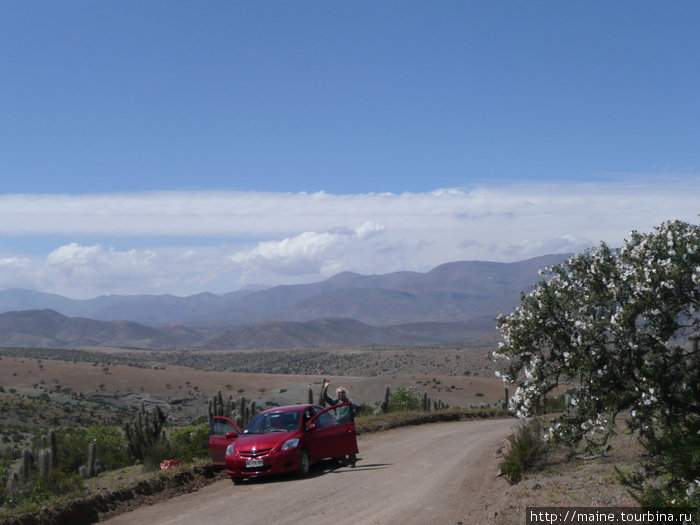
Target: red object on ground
(167, 464)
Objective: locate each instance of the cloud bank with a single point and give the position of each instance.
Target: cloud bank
(189, 242)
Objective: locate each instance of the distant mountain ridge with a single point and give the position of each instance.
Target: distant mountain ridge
(453, 303)
(455, 291)
(49, 329)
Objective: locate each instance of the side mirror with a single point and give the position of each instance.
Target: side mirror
(231, 435)
(311, 427)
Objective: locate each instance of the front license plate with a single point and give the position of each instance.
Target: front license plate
(254, 462)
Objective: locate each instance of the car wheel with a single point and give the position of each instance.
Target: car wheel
(304, 463)
(236, 480)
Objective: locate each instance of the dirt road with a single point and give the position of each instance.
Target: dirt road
(440, 473)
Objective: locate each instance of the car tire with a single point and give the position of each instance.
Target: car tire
(236, 480)
(304, 464)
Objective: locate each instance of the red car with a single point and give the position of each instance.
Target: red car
(282, 439)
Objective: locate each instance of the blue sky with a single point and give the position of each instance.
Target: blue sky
(179, 147)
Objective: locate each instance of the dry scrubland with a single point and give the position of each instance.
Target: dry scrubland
(89, 383)
(127, 378)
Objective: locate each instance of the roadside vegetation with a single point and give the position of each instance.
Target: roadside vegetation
(64, 464)
(622, 326)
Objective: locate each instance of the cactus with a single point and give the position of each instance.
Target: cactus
(143, 431)
(246, 411)
(216, 405)
(426, 402)
(213, 409)
(44, 461)
(25, 467)
(310, 399)
(387, 395)
(220, 407)
(53, 449)
(90, 466)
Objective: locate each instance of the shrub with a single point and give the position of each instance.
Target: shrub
(40, 491)
(191, 442)
(405, 398)
(72, 446)
(526, 448)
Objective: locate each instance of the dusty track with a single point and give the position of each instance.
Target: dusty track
(438, 473)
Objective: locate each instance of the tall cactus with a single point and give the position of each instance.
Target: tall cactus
(144, 431)
(90, 466)
(46, 459)
(43, 461)
(53, 449)
(246, 411)
(27, 464)
(310, 397)
(218, 406)
(387, 396)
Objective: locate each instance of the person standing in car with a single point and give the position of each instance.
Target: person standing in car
(344, 414)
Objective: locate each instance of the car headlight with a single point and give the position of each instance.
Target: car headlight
(229, 450)
(290, 444)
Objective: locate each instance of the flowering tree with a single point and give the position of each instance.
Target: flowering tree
(620, 327)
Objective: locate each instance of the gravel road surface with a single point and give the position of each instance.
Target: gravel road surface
(438, 473)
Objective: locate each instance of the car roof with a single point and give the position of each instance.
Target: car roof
(288, 408)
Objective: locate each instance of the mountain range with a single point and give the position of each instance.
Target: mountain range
(453, 303)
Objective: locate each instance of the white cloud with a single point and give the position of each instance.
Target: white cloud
(187, 242)
(308, 252)
(96, 268)
(369, 229)
(8, 262)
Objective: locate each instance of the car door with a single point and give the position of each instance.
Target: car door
(219, 427)
(329, 438)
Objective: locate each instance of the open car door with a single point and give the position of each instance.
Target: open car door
(328, 438)
(220, 426)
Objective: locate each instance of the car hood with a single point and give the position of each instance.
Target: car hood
(261, 442)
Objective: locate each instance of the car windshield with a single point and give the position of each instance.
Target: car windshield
(273, 422)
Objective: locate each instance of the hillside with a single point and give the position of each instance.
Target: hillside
(49, 329)
(456, 291)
